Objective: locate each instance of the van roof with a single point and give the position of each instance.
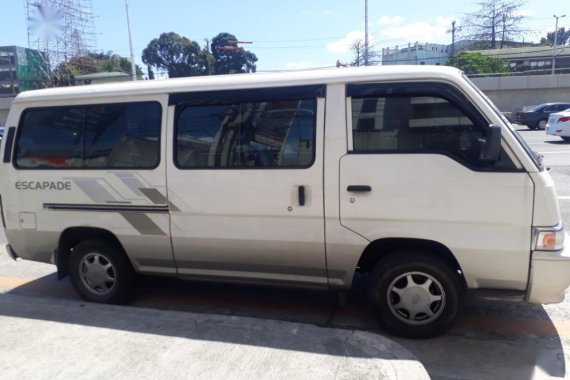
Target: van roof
(241, 81)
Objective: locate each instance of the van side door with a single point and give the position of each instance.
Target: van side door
(246, 185)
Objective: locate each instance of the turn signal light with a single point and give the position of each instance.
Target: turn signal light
(549, 240)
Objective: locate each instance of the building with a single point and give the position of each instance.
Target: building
(416, 54)
(22, 69)
(520, 56)
(532, 58)
(105, 77)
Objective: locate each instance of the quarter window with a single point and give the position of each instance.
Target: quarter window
(276, 134)
(96, 136)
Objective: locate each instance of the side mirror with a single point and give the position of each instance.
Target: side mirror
(491, 150)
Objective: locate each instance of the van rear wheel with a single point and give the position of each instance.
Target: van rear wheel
(415, 295)
(101, 272)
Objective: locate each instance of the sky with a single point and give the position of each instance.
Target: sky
(284, 35)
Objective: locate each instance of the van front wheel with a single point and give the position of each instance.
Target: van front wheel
(415, 295)
(100, 272)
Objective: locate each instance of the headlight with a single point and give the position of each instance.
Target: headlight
(549, 238)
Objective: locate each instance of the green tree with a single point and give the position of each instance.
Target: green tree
(561, 39)
(477, 63)
(65, 73)
(178, 55)
(109, 62)
(230, 58)
(84, 64)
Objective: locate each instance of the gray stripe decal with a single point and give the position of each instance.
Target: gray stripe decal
(131, 182)
(154, 195)
(173, 207)
(94, 190)
(142, 223)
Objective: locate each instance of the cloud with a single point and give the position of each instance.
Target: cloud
(387, 20)
(328, 13)
(342, 46)
(420, 31)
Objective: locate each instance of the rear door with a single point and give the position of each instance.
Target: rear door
(413, 171)
(246, 185)
(95, 164)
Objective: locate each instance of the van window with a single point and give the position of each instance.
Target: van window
(101, 136)
(415, 124)
(273, 134)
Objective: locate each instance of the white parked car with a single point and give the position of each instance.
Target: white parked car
(559, 124)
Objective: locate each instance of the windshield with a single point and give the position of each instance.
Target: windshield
(536, 157)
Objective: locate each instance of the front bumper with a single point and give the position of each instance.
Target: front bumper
(562, 131)
(549, 276)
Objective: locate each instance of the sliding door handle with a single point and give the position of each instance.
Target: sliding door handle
(301, 195)
(358, 188)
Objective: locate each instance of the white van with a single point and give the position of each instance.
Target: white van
(408, 174)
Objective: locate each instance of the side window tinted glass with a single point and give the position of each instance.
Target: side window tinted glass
(122, 136)
(51, 139)
(415, 124)
(96, 136)
(247, 135)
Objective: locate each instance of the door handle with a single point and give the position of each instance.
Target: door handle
(358, 188)
(301, 195)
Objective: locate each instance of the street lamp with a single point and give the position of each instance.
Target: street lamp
(365, 32)
(555, 41)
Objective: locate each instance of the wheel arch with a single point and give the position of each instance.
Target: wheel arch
(71, 236)
(379, 250)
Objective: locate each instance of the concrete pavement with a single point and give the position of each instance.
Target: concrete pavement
(51, 338)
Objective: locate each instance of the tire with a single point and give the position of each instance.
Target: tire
(399, 297)
(101, 272)
(541, 124)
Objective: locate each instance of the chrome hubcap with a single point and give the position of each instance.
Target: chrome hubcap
(97, 273)
(416, 298)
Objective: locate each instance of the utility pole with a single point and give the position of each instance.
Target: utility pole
(133, 67)
(452, 38)
(555, 41)
(504, 28)
(208, 50)
(365, 32)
